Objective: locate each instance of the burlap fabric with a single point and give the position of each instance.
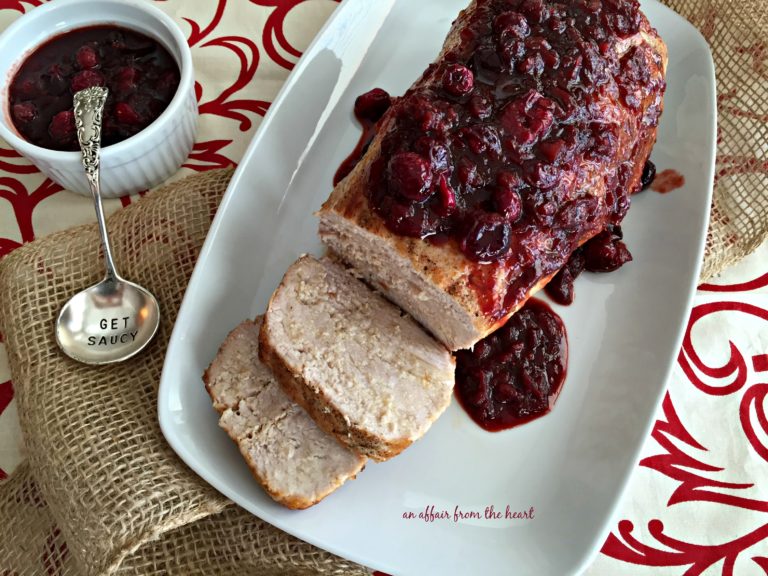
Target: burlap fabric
(737, 33)
(102, 493)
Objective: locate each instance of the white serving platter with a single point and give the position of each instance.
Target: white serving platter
(624, 329)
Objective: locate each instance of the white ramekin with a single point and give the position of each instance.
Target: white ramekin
(139, 162)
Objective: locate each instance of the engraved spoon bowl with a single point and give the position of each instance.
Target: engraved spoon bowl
(114, 319)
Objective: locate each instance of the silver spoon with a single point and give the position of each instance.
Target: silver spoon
(114, 319)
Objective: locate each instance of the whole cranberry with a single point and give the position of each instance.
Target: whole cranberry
(125, 114)
(553, 150)
(482, 139)
(621, 207)
(468, 174)
(541, 175)
(544, 212)
(126, 79)
(535, 10)
(85, 79)
(86, 58)
(410, 176)
(532, 64)
(27, 89)
(512, 24)
(24, 112)
(528, 118)
(117, 40)
(566, 104)
(592, 6)
(427, 114)
(557, 24)
(510, 51)
(458, 80)
(436, 151)
(372, 105)
(156, 107)
(508, 203)
(62, 126)
(487, 238)
(412, 220)
(509, 179)
(605, 253)
(537, 43)
(550, 58)
(479, 106)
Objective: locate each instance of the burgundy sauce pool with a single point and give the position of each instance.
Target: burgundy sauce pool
(515, 374)
(141, 75)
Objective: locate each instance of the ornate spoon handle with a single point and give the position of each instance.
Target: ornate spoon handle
(89, 108)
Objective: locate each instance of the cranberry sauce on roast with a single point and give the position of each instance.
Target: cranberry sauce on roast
(524, 140)
(605, 252)
(141, 75)
(515, 374)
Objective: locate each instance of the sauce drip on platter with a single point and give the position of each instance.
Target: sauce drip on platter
(369, 108)
(667, 181)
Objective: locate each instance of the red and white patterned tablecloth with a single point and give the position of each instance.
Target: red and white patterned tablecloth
(698, 501)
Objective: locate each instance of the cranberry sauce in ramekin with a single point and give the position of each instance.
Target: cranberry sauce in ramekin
(140, 73)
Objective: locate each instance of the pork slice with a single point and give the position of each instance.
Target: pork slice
(296, 463)
(365, 371)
